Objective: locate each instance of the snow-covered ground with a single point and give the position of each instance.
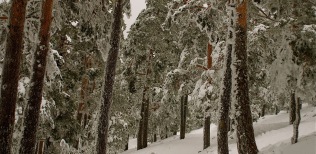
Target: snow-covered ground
(273, 135)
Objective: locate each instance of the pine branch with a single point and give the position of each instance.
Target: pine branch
(4, 18)
(201, 66)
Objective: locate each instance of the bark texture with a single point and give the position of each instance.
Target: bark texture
(142, 136)
(292, 109)
(207, 118)
(10, 73)
(246, 143)
(297, 121)
(206, 132)
(184, 107)
(103, 125)
(225, 101)
(140, 129)
(28, 142)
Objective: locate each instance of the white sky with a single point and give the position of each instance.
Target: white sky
(137, 6)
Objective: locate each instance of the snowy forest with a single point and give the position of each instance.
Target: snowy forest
(191, 76)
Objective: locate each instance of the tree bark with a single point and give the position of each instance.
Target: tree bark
(263, 110)
(142, 138)
(184, 106)
(28, 142)
(103, 126)
(140, 129)
(206, 132)
(10, 73)
(297, 121)
(146, 117)
(207, 118)
(292, 108)
(245, 134)
(225, 101)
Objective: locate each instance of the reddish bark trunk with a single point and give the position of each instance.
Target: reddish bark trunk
(10, 74)
(103, 126)
(207, 119)
(28, 142)
(245, 134)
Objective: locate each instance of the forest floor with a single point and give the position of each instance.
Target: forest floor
(273, 136)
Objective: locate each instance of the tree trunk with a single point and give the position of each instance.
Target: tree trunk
(297, 121)
(41, 147)
(225, 100)
(207, 118)
(292, 109)
(276, 109)
(103, 125)
(184, 106)
(142, 138)
(245, 134)
(146, 117)
(206, 132)
(10, 73)
(126, 144)
(155, 137)
(140, 129)
(263, 110)
(28, 142)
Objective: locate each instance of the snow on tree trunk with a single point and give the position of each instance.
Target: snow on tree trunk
(184, 106)
(10, 73)
(142, 137)
(292, 108)
(207, 118)
(297, 121)
(246, 143)
(225, 97)
(28, 142)
(103, 125)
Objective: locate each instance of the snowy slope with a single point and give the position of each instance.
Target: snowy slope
(273, 134)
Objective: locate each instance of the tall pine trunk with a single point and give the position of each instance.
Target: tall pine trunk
(104, 118)
(10, 73)
(245, 134)
(146, 117)
(206, 132)
(141, 128)
(142, 137)
(184, 106)
(297, 121)
(292, 108)
(28, 142)
(207, 118)
(225, 98)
